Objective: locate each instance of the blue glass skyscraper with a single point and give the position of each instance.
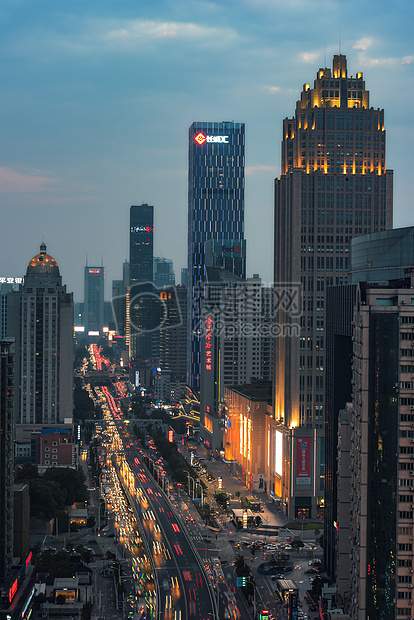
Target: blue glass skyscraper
(215, 212)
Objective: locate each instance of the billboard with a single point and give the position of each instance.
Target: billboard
(278, 453)
(303, 460)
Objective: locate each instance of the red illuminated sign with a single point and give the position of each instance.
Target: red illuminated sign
(303, 460)
(209, 343)
(29, 557)
(200, 138)
(170, 436)
(12, 591)
(94, 271)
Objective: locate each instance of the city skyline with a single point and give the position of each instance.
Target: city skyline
(97, 104)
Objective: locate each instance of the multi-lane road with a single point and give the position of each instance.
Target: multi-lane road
(185, 591)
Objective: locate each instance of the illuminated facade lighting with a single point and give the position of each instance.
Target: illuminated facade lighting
(333, 186)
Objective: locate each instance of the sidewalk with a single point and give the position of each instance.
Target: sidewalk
(270, 516)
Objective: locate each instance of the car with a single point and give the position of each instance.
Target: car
(311, 571)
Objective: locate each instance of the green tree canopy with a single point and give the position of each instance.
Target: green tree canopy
(71, 480)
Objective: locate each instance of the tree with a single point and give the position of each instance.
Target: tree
(26, 472)
(60, 599)
(46, 498)
(71, 480)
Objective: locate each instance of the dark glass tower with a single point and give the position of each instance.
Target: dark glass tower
(94, 298)
(215, 212)
(334, 186)
(141, 258)
(141, 243)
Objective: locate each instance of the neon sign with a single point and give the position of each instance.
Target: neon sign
(12, 590)
(201, 138)
(6, 280)
(209, 344)
(135, 229)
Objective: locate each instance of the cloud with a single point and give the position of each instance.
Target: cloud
(362, 44)
(132, 30)
(309, 56)
(272, 89)
(251, 170)
(12, 181)
(407, 60)
(125, 35)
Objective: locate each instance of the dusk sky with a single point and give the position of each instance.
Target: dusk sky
(97, 98)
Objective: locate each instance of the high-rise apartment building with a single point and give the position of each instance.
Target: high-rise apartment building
(333, 186)
(378, 577)
(93, 301)
(6, 456)
(378, 259)
(141, 257)
(215, 213)
(374, 258)
(41, 322)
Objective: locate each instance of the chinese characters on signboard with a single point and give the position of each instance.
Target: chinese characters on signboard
(209, 342)
(303, 460)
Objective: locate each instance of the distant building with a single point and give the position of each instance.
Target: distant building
(163, 272)
(184, 276)
(41, 321)
(141, 258)
(93, 310)
(119, 300)
(56, 447)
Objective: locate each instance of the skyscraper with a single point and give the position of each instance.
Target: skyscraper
(215, 212)
(41, 322)
(333, 186)
(141, 257)
(141, 243)
(93, 304)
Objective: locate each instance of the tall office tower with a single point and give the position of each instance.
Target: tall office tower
(93, 301)
(41, 321)
(5, 289)
(141, 257)
(163, 272)
(6, 456)
(333, 186)
(375, 258)
(215, 212)
(141, 243)
(236, 345)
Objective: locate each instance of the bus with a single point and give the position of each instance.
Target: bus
(254, 504)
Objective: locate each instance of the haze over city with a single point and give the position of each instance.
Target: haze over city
(98, 99)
